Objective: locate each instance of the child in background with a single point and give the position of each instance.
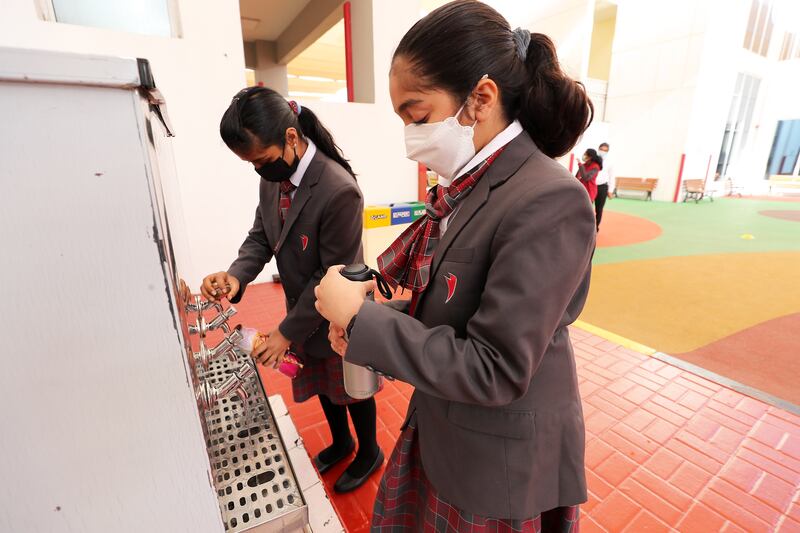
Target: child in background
(588, 170)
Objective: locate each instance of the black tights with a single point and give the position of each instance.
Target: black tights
(600, 202)
(363, 415)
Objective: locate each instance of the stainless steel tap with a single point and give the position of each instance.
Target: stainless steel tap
(199, 305)
(220, 321)
(201, 326)
(225, 347)
(208, 395)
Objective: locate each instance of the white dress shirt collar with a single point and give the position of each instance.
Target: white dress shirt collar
(501, 139)
(297, 177)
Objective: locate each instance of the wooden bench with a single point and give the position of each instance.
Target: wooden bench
(779, 181)
(696, 190)
(647, 185)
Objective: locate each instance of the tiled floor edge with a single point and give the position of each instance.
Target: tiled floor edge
(689, 367)
(613, 337)
(322, 514)
(727, 382)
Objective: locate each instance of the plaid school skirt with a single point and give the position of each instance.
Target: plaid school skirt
(406, 501)
(320, 377)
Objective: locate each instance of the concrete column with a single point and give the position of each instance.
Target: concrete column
(260, 56)
(372, 56)
(363, 44)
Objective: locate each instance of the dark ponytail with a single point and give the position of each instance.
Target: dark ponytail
(263, 115)
(314, 130)
(594, 156)
(455, 45)
(554, 108)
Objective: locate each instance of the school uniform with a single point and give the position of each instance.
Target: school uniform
(308, 223)
(587, 174)
(494, 435)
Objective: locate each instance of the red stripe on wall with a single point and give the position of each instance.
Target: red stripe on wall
(348, 52)
(680, 179)
(422, 182)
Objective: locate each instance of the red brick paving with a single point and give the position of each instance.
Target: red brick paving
(666, 450)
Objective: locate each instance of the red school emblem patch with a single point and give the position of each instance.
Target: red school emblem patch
(452, 281)
(304, 241)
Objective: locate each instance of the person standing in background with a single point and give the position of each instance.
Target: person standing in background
(588, 170)
(605, 183)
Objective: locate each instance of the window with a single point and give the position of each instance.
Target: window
(740, 117)
(759, 27)
(148, 17)
(783, 158)
(790, 49)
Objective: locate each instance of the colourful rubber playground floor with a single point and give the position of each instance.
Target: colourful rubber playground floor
(666, 450)
(714, 284)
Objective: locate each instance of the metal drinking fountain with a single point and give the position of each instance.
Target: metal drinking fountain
(252, 476)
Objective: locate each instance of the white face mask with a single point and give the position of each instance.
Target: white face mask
(444, 147)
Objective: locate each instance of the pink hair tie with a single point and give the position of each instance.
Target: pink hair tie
(295, 107)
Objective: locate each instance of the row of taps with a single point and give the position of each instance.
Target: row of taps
(208, 395)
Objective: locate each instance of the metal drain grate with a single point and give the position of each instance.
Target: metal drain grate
(255, 484)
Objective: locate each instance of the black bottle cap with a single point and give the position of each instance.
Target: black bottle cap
(357, 272)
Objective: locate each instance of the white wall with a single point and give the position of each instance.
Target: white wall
(652, 88)
(722, 58)
(567, 22)
(198, 74)
(780, 102)
(597, 133)
(671, 88)
(371, 137)
(777, 100)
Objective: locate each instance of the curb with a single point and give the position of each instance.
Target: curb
(613, 337)
(689, 367)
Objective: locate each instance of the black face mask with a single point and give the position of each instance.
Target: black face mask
(278, 170)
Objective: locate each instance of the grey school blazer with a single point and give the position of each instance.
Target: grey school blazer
(323, 228)
(498, 411)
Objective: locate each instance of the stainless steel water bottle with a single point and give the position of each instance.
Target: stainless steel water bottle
(360, 383)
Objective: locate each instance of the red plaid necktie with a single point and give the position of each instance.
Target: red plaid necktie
(286, 199)
(407, 262)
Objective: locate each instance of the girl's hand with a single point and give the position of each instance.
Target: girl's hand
(218, 286)
(338, 298)
(336, 338)
(272, 350)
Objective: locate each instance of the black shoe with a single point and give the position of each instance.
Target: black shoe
(347, 483)
(323, 466)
